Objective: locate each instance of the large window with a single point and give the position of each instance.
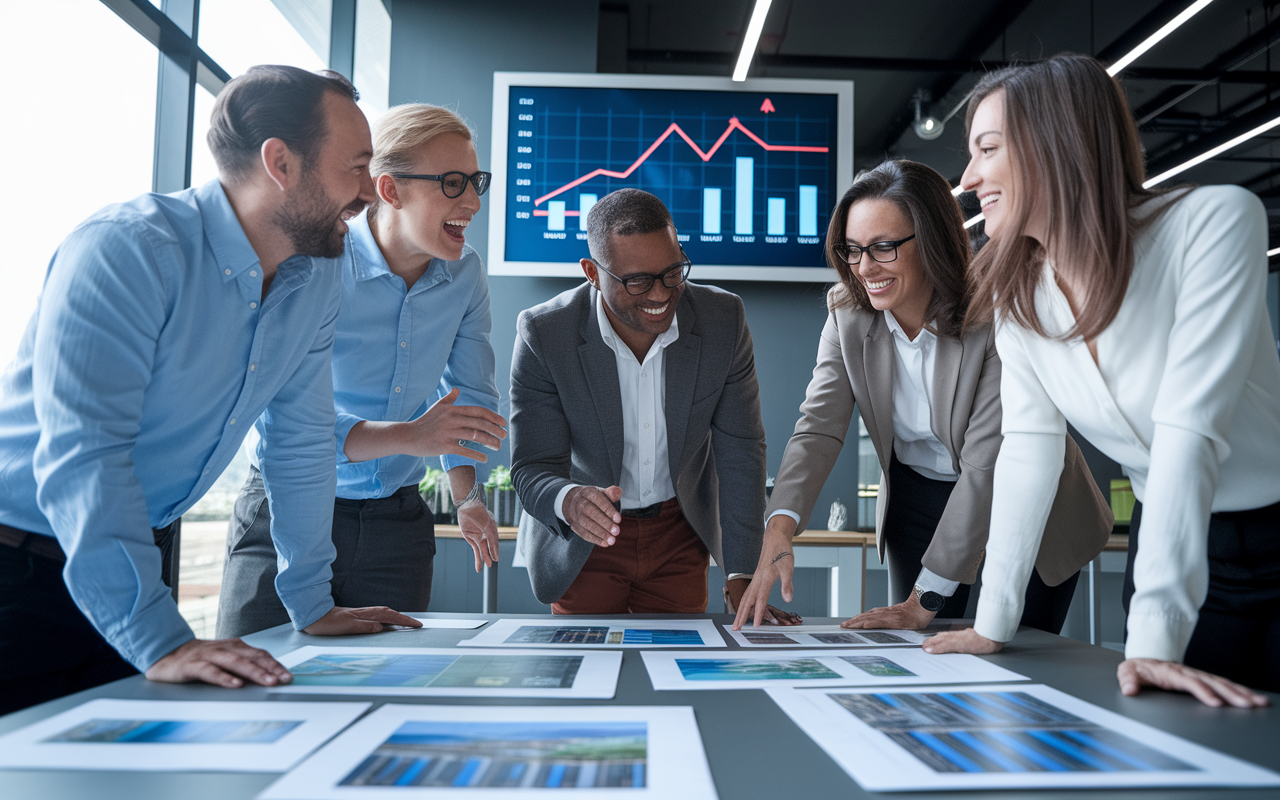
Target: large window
(92, 132)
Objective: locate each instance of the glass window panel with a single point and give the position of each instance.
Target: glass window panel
(82, 135)
(241, 33)
(373, 57)
(203, 167)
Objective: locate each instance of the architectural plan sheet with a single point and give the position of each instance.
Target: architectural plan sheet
(736, 669)
(608, 634)
(1016, 736)
(172, 735)
(821, 636)
(406, 752)
(449, 672)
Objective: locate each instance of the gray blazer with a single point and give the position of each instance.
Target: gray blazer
(566, 427)
(855, 364)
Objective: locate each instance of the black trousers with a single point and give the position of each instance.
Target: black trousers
(48, 648)
(1238, 633)
(914, 510)
(385, 550)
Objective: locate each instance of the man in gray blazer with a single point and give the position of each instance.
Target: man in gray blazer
(636, 438)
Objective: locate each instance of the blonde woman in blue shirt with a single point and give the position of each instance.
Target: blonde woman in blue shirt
(413, 378)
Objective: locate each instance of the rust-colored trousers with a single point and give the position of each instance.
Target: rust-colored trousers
(656, 566)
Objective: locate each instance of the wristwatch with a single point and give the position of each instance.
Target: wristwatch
(930, 601)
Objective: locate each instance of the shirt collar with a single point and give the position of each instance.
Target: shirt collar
(232, 252)
(610, 336)
(369, 263)
(923, 339)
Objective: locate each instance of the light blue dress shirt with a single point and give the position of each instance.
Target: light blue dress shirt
(399, 350)
(149, 356)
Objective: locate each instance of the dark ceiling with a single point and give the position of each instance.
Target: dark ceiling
(1203, 84)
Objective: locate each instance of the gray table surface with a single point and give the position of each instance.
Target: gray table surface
(754, 749)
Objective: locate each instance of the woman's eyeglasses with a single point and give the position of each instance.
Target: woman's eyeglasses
(453, 184)
(884, 252)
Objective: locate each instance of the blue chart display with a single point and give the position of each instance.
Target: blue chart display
(749, 177)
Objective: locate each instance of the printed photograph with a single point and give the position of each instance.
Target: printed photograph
(725, 669)
(147, 731)
(1001, 732)
(768, 638)
(444, 671)
(534, 634)
(530, 755)
(879, 666)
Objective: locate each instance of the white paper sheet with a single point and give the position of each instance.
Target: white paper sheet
(449, 672)
(405, 752)
(171, 735)
(700, 670)
(821, 636)
(596, 634)
(999, 737)
(457, 623)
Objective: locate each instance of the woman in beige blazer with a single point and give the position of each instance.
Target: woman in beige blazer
(929, 395)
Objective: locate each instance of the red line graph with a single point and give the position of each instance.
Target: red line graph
(675, 128)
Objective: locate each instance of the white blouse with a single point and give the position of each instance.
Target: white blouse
(1185, 396)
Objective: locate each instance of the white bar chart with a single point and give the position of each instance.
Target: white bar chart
(585, 202)
(777, 219)
(808, 210)
(711, 211)
(743, 191)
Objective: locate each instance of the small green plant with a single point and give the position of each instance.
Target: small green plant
(428, 484)
(499, 478)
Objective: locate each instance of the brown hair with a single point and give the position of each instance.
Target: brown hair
(271, 102)
(1073, 148)
(401, 134)
(925, 198)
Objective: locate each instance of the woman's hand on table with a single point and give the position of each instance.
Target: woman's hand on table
(1210, 689)
(965, 641)
(777, 562)
(222, 662)
(903, 616)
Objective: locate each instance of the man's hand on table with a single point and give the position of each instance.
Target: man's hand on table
(221, 662)
(965, 641)
(734, 592)
(590, 513)
(340, 621)
(903, 616)
(1210, 689)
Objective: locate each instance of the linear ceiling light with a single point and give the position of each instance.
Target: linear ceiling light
(1272, 252)
(974, 220)
(1151, 41)
(1208, 154)
(754, 28)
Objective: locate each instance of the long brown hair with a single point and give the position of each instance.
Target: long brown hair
(925, 198)
(1073, 149)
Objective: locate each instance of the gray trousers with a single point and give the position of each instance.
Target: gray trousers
(385, 548)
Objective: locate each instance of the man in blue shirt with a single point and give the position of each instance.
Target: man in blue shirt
(167, 325)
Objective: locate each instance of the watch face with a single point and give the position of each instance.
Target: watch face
(932, 601)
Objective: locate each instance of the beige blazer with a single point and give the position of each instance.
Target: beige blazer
(855, 366)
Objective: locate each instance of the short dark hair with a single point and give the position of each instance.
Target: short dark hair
(271, 101)
(625, 212)
(925, 198)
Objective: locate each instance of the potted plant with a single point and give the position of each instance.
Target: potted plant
(503, 502)
(434, 489)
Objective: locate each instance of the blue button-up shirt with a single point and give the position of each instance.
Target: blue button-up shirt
(150, 354)
(399, 350)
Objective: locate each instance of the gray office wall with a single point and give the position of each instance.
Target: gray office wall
(446, 53)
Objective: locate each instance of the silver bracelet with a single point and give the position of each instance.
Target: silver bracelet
(476, 495)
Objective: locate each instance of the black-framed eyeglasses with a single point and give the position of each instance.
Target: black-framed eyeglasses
(453, 184)
(642, 282)
(884, 252)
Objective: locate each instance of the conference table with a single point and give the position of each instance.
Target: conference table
(753, 748)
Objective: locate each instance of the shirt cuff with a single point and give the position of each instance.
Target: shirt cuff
(733, 576)
(559, 506)
(1157, 636)
(930, 581)
(786, 513)
(995, 622)
(305, 606)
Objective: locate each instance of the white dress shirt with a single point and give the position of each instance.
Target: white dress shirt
(1185, 396)
(914, 441)
(646, 464)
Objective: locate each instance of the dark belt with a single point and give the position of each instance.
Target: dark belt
(34, 543)
(648, 512)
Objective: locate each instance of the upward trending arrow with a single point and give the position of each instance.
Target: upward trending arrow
(767, 106)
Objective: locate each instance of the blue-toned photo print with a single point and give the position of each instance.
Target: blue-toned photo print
(534, 755)
(724, 669)
(145, 731)
(1001, 732)
(448, 671)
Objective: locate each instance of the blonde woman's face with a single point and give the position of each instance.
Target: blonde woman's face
(990, 171)
(437, 225)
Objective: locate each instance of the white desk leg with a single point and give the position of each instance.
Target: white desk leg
(849, 577)
(1095, 600)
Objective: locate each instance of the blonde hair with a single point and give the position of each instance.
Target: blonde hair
(403, 131)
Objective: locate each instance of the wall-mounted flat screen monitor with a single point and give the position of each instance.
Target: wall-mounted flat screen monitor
(749, 170)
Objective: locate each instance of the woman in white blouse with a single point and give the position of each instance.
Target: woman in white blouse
(1138, 317)
(930, 398)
